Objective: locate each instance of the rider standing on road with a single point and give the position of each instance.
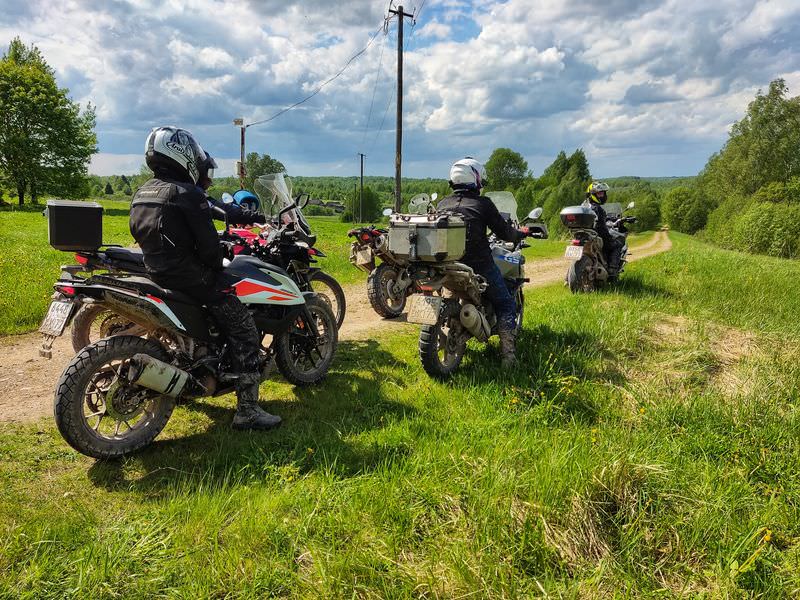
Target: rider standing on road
(171, 219)
(597, 195)
(467, 177)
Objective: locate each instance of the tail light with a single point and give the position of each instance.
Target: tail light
(576, 242)
(67, 290)
(365, 237)
(312, 252)
(83, 260)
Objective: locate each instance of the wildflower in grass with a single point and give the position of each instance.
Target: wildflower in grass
(768, 536)
(641, 410)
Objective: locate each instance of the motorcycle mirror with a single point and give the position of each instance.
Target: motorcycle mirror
(535, 213)
(434, 196)
(302, 200)
(387, 212)
(227, 198)
(631, 205)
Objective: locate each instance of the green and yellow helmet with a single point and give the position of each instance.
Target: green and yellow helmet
(597, 192)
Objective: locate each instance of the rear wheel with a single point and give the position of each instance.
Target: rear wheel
(330, 292)
(579, 276)
(94, 322)
(302, 358)
(101, 415)
(384, 298)
(440, 348)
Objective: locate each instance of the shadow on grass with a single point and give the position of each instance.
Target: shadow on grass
(314, 434)
(635, 287)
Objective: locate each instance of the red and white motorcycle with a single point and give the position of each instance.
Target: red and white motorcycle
(117, 394)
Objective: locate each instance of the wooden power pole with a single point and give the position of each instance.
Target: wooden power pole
(398, 159)
(361, 195)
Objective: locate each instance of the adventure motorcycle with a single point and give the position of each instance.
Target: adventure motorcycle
(451, 307)
(298, 254)
(590, 269)
(388, 283)
(93, 322)
(117, 394)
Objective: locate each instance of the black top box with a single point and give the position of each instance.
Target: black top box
(74, 226)
(578, 217)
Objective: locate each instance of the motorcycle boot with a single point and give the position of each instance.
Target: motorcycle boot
(508, 348)
(249, 415)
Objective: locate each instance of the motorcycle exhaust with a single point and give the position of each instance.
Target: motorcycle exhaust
(473, 321)
(156, 375)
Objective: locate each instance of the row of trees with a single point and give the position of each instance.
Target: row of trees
(748, 195)
(46, 141)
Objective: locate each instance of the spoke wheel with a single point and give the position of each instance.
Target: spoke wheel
(98, 412)
(385, 299)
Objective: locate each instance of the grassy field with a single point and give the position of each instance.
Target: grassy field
(29, 266)
(647, 447)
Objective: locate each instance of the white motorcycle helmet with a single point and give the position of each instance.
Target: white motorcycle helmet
(174, 152)
(468, 174)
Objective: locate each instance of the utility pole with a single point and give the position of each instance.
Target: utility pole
(240, 123)
(361, 195)
(398, 159)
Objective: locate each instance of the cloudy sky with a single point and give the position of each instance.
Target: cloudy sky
(646, 87)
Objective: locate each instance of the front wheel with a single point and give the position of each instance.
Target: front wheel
(385, 299)
(329, 290)
(441, 348)
(101, 415)
(519, 299)
(302, 358)
(579, 276)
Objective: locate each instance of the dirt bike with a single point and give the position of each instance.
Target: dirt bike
(117, 394)
(388, 284)
(590, 268)
(451, 307)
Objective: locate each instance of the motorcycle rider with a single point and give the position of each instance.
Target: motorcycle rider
(467, 178)
(597, 195)
(171, 219)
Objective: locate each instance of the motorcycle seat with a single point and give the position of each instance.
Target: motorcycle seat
(133, 255)
(148, 286)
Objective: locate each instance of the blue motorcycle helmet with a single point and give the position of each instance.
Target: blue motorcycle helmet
(246, 199)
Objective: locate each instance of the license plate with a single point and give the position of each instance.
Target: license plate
(574, 252)
(424, 309)
(56, 319)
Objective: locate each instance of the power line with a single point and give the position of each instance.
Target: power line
(326, 82)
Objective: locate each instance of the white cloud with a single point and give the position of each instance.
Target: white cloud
(621, 78)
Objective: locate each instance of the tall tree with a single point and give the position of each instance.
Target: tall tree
(45, 140)
(506, 169)
(257, 165)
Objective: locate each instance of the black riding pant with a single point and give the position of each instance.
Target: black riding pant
(233, 320)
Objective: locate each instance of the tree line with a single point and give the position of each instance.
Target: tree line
(747, 197)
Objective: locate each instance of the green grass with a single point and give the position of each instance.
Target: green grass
(648, 447)
(29, 266)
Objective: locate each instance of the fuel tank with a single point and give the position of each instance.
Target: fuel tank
(257, 282)
(511, 264)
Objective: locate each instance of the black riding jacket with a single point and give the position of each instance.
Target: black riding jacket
(172, 223)
(479, 212)
(601, 227)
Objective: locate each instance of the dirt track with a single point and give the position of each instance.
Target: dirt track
(27, 381)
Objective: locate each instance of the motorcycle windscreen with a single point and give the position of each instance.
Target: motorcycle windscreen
(274, 191)
(506, 204)
(613, 210)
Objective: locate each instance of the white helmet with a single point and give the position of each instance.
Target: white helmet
(175, 152)
(467, 174)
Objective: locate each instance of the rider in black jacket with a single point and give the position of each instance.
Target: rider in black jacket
(467, 177)
(597, 195)
(171, 219)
